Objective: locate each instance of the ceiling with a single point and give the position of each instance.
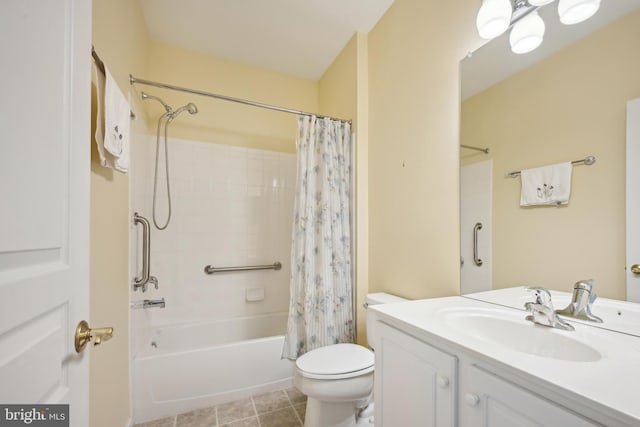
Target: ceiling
(494, 61)
(296, 37)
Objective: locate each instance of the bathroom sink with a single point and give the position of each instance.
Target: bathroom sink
(619, 316)
(510, 330)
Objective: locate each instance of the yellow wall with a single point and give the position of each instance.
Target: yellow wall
(414, 55)
(362, 183)
(221, 121)
(120, 39)
(337, 90)
(566, 107)
(343, 93)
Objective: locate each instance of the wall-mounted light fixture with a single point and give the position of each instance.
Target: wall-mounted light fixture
(527, 27)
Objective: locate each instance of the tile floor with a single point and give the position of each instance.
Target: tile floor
(281, 408)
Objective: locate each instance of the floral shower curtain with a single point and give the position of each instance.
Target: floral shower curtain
(321, 304)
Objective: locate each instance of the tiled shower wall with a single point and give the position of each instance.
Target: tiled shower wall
(231, 207)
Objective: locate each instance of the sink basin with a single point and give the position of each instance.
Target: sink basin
(619, 316)
(510, 330)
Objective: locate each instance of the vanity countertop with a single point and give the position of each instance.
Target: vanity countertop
(607, 379)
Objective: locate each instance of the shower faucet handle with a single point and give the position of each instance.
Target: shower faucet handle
(154, 280)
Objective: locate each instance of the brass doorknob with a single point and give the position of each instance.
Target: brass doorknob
(85, 334)
(635, 268)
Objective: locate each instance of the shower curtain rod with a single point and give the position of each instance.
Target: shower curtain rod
(133, 80)
(470, 147)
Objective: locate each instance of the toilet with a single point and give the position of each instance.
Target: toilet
(338, 379)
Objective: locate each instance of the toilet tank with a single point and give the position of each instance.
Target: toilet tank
(374, 299)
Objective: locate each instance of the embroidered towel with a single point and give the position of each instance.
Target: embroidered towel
(117, 121)
(548, 185)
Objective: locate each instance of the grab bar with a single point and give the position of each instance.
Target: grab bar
(477, 261)
(142, 281)
(210, 269)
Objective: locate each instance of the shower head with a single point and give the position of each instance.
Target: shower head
(190, 107)
(164, 104)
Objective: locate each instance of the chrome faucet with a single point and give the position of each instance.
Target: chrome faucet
(542, 311)
(580, 305)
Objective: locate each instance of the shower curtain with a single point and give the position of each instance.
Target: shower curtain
(321, 304)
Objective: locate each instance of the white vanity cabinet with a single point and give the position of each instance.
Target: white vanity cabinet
(459, 362)
(415, 383)
(488, 400)
(422, 383)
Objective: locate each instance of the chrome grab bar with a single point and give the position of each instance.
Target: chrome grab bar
(151, 303)
(143, 280)
(210, 269)
(477, 261)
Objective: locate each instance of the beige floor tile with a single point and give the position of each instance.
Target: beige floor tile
(164, 422)
(269, 402)
(301, 410)
(234, 411)
(280, 418)
(295, 396)
(199, 418)
(247, 422)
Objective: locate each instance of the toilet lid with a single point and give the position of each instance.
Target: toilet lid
(337, 359)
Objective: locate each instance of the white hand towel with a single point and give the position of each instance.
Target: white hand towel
(548, 185)
(117, 121)
(106, 159)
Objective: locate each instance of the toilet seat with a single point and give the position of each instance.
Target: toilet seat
(337, 361)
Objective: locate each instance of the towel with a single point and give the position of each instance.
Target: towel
(117, 122)
(106, 159)
(112, 123)
(548, 185)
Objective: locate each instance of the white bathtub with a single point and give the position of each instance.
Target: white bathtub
(192, 366)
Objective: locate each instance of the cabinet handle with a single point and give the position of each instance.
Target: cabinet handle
(472, 399)
(443, 382)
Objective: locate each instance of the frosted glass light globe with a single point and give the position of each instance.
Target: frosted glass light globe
(575, 11)
(494, 17)
(527, 34)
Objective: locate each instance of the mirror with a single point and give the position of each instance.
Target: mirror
(562, 102)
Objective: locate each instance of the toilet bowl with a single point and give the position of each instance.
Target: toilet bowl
(338, 379)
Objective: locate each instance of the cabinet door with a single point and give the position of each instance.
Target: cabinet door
(415, 383)
(489, 401)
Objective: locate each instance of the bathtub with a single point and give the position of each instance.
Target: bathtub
(191, 366)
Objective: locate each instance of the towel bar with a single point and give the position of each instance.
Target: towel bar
(589, 160)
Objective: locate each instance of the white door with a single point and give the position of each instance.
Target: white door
(475, 227)
(633, 200)
(45, 50)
